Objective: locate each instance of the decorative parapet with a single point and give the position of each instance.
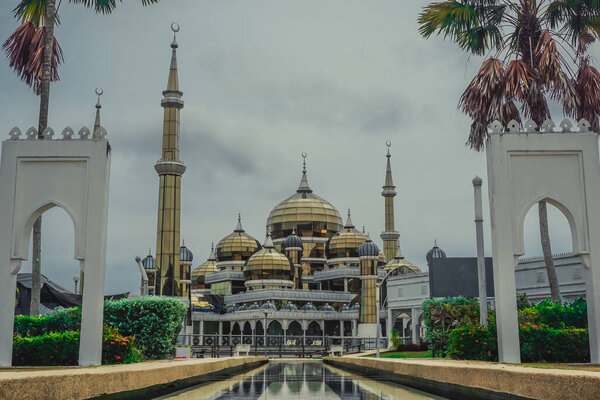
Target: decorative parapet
(337, 273)
(278, 315)
(290, 295)
(66, 134)
(565, 126)
(223, 276)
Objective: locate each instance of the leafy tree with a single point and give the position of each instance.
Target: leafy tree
(524, 68)
(34, 55)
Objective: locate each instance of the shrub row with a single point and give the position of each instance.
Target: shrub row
(154, 321)
(539, 343)
(62, 348)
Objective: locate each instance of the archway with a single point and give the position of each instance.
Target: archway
(561, 169)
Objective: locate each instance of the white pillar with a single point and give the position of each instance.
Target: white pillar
(390, 324)
(480, 254)
(414, 325)
(220, 341)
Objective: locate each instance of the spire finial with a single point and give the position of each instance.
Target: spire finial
(175, 29)
(99, 92)
(173, 82)
(150, 251)
(212, 246)
(363, 229)
(304, 188)
(182, 242)
(398, 255)
(388, 144)
(238, 227)
(435, 242)
(268, 241)
(349, 224)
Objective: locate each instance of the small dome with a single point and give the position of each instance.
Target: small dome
(368, 249)
(242, 307)
(355, 307)
(268, 306)
(309, 307)
(435, 253)
(268, 263)
(345, 308)
(149, 262)
(254, 306)
(346, 242)
(185, 254)
(238, 245)
(327, 307)
(289, 307)
(232, 309)
(292, 241)
(402, 265)
(208, 267)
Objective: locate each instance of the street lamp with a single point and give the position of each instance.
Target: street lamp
(265, 329)
(377, 308)
(76, 280)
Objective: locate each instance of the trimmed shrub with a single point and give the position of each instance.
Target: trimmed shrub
(473, 343)
(59, 321)
(62, 348)
(543, 343)
(154, 321)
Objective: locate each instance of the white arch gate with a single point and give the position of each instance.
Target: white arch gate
(559, 165)
(37, 174)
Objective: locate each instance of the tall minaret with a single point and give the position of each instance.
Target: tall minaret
(389, 236)
(170, 169)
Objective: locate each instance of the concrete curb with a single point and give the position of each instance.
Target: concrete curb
(478, 380)
(129, 381)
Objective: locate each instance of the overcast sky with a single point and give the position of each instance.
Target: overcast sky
(264, 81)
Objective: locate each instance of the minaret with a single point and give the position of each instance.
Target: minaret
(97, 125)
(389, 236)
(170, 169)
(368, 254)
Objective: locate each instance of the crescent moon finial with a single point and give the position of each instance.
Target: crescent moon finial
(175, 27)
(388, 143)
(99, 91)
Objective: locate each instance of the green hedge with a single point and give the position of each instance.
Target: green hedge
(154, 321)
(59, 321)
(62, 348)
(539, 343)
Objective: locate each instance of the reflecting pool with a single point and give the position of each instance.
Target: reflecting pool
(298, 380)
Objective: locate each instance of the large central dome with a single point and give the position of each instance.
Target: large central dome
(305, 212)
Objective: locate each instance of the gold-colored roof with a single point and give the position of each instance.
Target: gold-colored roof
(381, 258)
(404, 266)
(268, 263)
(307, 213)
(209, 266)
(345, 243)
(238, 245)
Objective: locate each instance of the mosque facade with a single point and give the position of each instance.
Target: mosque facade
(313, 275)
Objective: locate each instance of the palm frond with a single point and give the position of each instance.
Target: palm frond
(106, 6)
(31, 11)
(24, 50)
(574, 18)
(519, 79)
(587, 85)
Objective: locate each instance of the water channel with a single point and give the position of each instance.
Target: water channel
(298, 380)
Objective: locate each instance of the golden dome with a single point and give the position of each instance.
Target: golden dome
(208, 267)
(268, 263)
(404, 266)
(346, 242)
(307, 213)
(238, 245)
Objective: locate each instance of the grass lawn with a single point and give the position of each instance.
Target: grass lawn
(403, 354)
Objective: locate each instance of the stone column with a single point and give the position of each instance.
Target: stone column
(480, 255)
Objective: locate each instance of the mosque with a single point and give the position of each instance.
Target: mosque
(313, 275)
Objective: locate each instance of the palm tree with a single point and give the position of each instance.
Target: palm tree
(524, 68)
(34, 54)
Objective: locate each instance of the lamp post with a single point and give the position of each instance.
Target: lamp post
(477, 181)
(76, 280)
(378, 326)
(265, 329)
(144, 287)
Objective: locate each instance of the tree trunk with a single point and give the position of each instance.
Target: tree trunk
(547, 250)
(36, 267)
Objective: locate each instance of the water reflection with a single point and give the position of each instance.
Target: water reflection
(296, 379)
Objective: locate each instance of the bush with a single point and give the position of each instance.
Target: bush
(543, 343)
(59, 321)
(62, 348)
(154, 321)
(539, 343)
(442, 316)
(473, 343)
(395, 339)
